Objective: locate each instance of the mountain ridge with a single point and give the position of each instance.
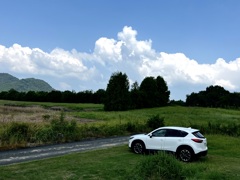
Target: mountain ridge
(7, 82)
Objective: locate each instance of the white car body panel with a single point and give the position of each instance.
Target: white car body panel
(171, 143)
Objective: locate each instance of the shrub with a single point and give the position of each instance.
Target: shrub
(159, 166)
(71, 131)
(16, 133)
(63, 130)
(44, 135)
(131, 127)
(59, 130)
(155, 122)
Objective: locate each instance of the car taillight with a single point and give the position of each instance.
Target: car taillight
(197, 140)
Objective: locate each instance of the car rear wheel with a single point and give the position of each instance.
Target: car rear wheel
(138, 147)
(185, 154)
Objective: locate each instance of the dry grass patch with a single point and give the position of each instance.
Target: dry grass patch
(35, 114)
(24, 114)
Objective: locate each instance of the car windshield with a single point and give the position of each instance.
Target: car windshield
(198, 134)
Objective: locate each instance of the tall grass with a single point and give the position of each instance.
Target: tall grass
(15, 134)
(21, 128)
(160, 166)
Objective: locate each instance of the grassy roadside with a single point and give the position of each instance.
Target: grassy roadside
(25, 124)
(222, 162)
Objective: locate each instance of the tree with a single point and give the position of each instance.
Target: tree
(54, 96)
(85, 96)
(69, 96)
(12, 94)
(99, 96)
(148, 92)
(163, 93)
(31, 96)
(154, 92)
(117, 93)
(135, 96)
(213, 96)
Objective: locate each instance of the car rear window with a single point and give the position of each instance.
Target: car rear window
(198, 134)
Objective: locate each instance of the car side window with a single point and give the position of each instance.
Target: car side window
(183, 133)
(159, 133)
(173, 133)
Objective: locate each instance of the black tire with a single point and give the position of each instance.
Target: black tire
(138, 147)
(185, 154)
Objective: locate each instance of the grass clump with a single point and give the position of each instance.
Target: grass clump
(59, 130)
(16, 134)
(159, 166)
(155, 122)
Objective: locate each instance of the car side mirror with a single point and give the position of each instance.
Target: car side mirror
(150, 135)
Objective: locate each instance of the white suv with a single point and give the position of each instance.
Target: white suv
(186, 143)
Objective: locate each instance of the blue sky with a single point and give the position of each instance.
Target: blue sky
(78, 44)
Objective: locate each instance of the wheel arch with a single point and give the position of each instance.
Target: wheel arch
(184, 146)
(138, 140)
(185, 153)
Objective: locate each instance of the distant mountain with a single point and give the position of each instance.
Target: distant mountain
(8, 82)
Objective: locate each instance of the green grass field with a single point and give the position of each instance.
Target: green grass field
(173, 115)
(222, 162)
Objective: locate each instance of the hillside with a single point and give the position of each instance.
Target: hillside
(8, 82)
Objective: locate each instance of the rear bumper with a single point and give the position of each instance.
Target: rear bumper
(202, 153)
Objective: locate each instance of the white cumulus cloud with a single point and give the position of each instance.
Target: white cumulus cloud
(73, 70)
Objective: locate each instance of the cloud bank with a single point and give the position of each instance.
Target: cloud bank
(73, 70)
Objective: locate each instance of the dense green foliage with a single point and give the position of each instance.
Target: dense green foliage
(117, 95)
(55, 96)
(153, 92)
(214, 96)
(8, 82)
(155, 122)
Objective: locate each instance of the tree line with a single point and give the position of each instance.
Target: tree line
(152, 92)
(119, 96)
(214, 96)
(87, 96)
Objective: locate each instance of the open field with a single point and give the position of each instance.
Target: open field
(32, 123)
(173, 115)
(222, 162)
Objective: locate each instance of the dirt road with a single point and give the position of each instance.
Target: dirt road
(36, 153)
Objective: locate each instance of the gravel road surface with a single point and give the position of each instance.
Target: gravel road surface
(36, 153)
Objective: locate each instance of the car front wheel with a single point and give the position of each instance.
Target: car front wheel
(138, 147)
(185, 154)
